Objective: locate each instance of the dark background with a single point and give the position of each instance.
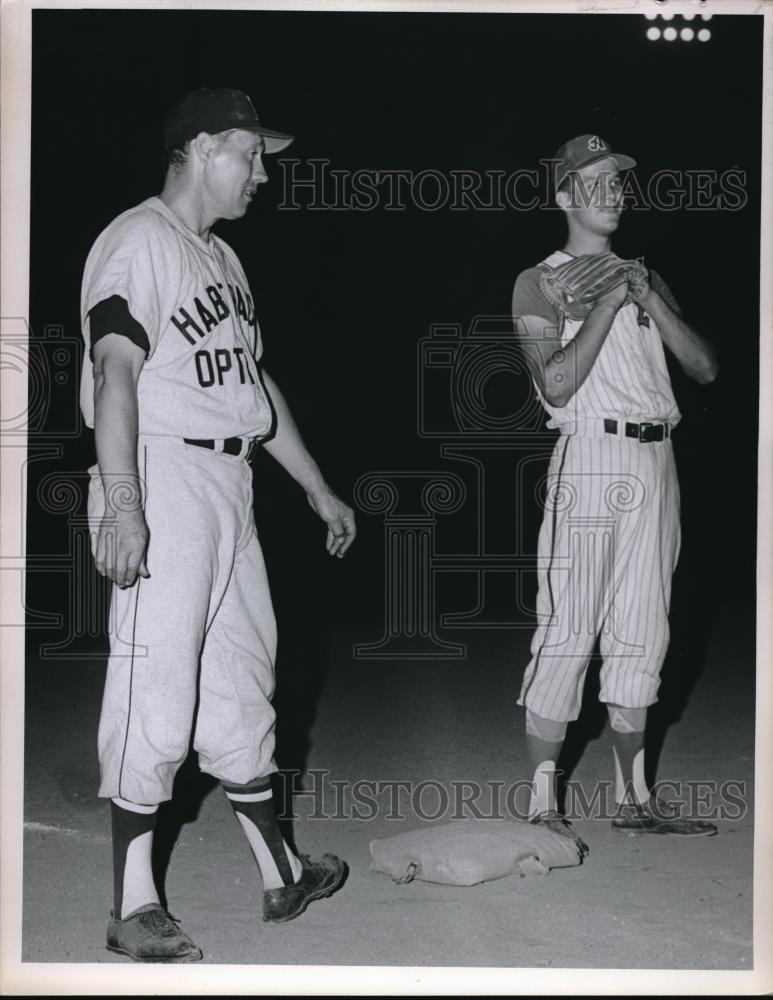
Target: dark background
(343, 298)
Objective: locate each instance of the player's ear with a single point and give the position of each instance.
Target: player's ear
(565, 193)
(204, 145)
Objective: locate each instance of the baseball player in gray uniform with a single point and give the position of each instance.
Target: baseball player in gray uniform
(174, 389)
(610, 536)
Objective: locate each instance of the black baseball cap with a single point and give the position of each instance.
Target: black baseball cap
(216, 110)
(583, 150)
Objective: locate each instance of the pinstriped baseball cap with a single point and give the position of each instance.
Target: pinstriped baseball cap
(582, 151)
(216, 110)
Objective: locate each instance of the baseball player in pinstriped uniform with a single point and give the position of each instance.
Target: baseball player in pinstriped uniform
(610, 536)
(175, 392)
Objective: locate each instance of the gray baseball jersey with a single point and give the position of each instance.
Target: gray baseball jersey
(201, 628)
(191, 298)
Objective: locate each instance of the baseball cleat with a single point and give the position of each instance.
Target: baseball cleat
(554, 821)
(151, 935)
(659, 816)
(318, 879)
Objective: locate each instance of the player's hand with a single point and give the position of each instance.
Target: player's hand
(643, 292)
(121, 547)
(613, 298)
(339, 518)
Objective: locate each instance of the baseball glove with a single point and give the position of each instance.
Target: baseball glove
(574, 287)
(469, 851)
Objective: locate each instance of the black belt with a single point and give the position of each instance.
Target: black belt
(231, 446)
(642, 432)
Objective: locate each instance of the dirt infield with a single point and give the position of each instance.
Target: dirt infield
(638, 902)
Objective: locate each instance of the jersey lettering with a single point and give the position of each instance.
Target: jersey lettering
(245, 310)
(238, 353)
(205, 316)
(222, 363)
(188, 322)
(208, 379)
(221, 309)
(240, 308)
(187, 325)
(212, 367)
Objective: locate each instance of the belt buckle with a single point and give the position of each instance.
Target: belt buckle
(653, 432)
(644, 430)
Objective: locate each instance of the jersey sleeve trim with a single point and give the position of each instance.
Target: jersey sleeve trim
(132, 259)
(528, 300)
(112, 315)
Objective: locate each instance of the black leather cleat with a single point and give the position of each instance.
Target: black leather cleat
(554, 821)
(318, 879)
(659, 816)
(151, 935)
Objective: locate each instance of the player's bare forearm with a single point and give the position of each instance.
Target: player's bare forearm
(115, 435)
(123, 533)
(561, 370)
(288, 448)
(693, 352)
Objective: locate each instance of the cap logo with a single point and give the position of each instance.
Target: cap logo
(595, 144)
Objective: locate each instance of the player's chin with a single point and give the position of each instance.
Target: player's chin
(239, 208)
(608, 219)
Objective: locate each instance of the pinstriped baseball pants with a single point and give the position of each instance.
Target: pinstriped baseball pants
(607, 550)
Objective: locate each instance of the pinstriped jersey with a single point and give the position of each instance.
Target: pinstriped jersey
(629, 379)
(200, 378)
